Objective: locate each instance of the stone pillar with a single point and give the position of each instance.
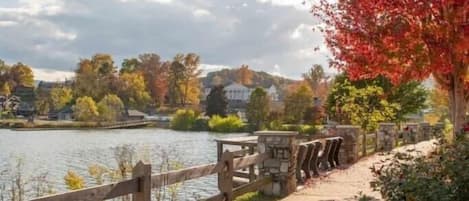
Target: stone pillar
(438, 129)
(349, 148)
(281, 166)
(387, 134)
(424, 131)
(411, 132)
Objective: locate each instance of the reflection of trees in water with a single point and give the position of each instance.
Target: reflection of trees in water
(19, 188)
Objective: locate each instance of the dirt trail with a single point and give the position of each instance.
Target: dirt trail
(345, 184)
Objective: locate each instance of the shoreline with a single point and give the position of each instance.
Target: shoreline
(41, 125)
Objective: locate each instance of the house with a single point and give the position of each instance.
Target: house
(26, 96)
(64, 114)
(133, 115)
(236, 92)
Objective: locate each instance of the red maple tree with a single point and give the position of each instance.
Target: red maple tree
(402, 40)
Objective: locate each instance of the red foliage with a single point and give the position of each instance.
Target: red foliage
(399, 39)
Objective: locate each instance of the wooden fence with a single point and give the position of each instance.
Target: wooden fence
(143, 181)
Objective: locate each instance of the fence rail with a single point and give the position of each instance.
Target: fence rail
(142, 182)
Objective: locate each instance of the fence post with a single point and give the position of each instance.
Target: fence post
(143, 173)
(425, 131)
(387, 135)
(225, 178)
(349, 149)
(281, 165)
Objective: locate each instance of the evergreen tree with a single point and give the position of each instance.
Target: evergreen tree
(217, 102)
(258, 108)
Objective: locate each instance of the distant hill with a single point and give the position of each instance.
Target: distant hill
(259, 79)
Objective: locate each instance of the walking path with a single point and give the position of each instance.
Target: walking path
(345, 184)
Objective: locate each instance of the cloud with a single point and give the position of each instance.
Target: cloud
(52, 75)
(201, 12)
(7, 23)
(56, 34)
(297, 4)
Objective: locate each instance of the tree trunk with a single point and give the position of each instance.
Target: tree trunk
(457, 104)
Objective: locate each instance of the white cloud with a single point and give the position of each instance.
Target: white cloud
(52, 75)
(201, 12)
(7, 23)
(299, 30)
(207, 68)
(59, 34)
(152, 1)
(298, 4)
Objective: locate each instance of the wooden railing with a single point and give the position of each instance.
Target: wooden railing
(142, 181)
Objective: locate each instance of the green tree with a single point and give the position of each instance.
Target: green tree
(85, 109)
(315, 76)
(217, 102)
(296, 104)
(362, 106)
(60, 97)
(132, 91)
(411, 97)
(183, 120)
(258, 108)
(110, 108)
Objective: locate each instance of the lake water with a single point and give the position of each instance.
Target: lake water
(56, 152)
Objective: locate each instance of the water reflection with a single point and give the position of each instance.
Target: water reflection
(55, 152)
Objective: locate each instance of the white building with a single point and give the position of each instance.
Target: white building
(239, 92)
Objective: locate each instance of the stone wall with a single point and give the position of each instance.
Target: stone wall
(281, 166)
(349, 149)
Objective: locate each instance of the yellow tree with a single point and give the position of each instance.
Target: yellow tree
(132, 90)
(85, 109)
(95, 77)
(60, 97)
(21, 75)
(110, 108)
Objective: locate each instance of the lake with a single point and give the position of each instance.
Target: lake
(55, 152)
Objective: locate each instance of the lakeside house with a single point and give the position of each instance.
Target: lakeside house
(239, 92)
(64, 114)
(26, 97)
(134, 115)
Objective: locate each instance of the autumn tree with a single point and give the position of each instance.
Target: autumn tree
(402, 40)
(258, 108)
(85, 109)
(60, 97)
(217, 102)
(95, 77)
(110, 108)
(155, 73)
(317, 81)
(296, 103)
(183, 80)
(5, 89)
(244, 75)
(132, 91)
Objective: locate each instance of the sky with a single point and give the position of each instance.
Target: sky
(274, 36)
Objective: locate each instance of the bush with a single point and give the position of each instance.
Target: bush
(183, 120)
(255, 196)
(229, 124)
(301, 128)
(200, 125)
(442, 176)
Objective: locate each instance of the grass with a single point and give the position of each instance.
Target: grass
(255, 196)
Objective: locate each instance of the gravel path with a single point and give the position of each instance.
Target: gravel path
(345, 184)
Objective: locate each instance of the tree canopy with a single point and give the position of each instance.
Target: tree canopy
(258, 108)
(402, 40)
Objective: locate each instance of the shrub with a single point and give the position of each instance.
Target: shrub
(74, 181)
(442, 176)
(110, 108)
(183, 120)
(200, 125)
(229, 124)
